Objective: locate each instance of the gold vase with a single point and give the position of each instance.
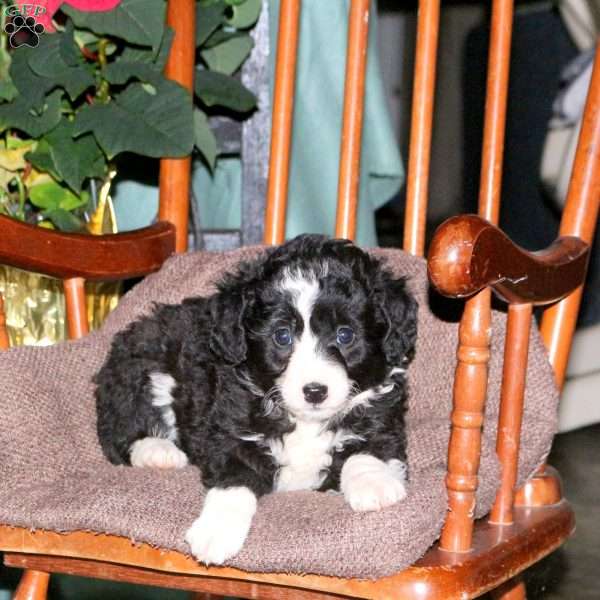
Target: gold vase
(34, 306)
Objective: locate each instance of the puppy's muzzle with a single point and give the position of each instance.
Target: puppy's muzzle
(315, 393)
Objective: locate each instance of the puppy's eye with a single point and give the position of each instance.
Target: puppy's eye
(345, 336)
(283, 336)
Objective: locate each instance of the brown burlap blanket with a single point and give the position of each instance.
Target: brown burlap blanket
(53, 474)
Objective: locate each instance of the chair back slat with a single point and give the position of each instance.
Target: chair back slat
(175, 173)
(417, 184)
(495, 110)
(470, 383)
(579, 219)
(354, 100)
(282, 121)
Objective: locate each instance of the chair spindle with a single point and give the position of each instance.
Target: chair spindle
(417, 185)
(282, 121)
(4, 343)
(495, 110)
(175, 173)
(354, 102)
(77, 323)
(470, 384)
(512, 394)
(579, 218)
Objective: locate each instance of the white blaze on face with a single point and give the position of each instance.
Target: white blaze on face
(308, 362)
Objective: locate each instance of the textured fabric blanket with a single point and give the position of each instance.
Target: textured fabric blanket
(54, 475)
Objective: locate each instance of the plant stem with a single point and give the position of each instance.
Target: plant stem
(21, 186)
(3, 35)
(103, 89)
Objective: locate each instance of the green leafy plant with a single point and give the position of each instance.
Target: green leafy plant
(96, 89)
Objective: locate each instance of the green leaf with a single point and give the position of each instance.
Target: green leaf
(74, 159)
(207, 2)
(220, 36)
(69, 51)
(8, 91)
(32, 88)
(136, 121)
(53, 195)
(245, 14)
(48, 61)
(64, 220)
(121, 72)
(41, 159)
(19, 114)
(216, 89)
(208, 19)
(135, 21)
(204, 138)
(139, 63)
(228, 56)
(165, 45)
(235, 2)
(144, 55)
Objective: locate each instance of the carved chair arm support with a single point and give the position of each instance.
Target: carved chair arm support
(468, 253)
(67, 255)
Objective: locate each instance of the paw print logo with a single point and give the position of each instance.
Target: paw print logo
(24, 31)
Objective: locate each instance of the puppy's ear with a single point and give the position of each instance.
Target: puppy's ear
(228, 334)
(398, 311)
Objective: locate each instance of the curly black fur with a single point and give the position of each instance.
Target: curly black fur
(221, 354)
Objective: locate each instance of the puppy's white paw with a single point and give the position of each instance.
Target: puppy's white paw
(221, 529)
(158, 453)
(374, 491)
(370, 484)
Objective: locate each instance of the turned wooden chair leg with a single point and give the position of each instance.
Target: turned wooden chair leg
(33, 586)
(513, 589)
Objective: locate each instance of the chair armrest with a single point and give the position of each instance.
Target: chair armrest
(468, 253)
(102, 257)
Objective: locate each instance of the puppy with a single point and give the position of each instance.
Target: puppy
(290, 377)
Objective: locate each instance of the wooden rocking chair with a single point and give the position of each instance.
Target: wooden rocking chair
(469, 257)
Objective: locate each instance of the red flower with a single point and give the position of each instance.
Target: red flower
(43, 10)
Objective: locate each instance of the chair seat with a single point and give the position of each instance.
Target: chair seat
(62, 482)
(438, 575)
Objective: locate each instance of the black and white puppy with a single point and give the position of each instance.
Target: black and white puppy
(290, 377)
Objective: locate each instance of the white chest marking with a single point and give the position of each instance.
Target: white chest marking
(304, 455)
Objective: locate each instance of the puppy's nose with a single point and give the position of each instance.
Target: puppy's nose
(314, 392)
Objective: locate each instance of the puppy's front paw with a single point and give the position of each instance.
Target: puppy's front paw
(370, 484)
(158, 453)
(221, 529)
(373, 492)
